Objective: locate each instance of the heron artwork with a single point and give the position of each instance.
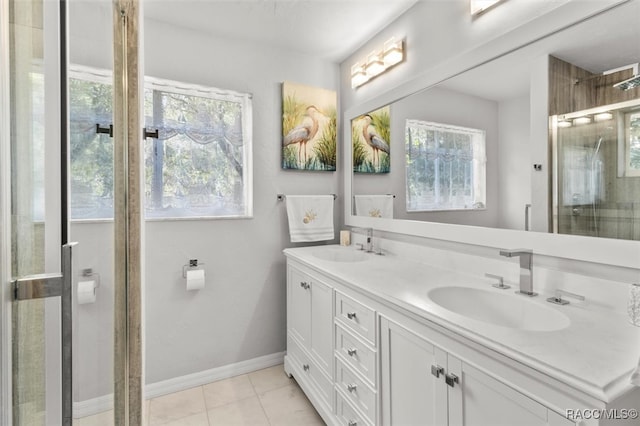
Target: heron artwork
(304, 132)
(374, 140)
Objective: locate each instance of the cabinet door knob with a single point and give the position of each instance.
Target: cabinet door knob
(436, 370)
(305, 367)
(351, 387)
(451, 379)
(352, 423)
(352, 351)
(305, 285)
(351, 315)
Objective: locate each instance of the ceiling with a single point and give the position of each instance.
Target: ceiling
(328, 29)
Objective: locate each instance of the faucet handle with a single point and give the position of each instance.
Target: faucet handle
(500, 284)
(558, 300)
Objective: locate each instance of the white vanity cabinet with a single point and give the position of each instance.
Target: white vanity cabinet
(365, 358)
(310, 336)
(422, 384)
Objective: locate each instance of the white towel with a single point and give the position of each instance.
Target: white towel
(374, 205)
(310, 217)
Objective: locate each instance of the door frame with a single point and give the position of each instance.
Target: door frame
(5, 222)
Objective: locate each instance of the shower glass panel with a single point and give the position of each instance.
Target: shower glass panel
(597, 184)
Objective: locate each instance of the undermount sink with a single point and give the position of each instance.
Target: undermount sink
(505, 310)
(340, 254)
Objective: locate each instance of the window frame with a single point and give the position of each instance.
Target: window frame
(478, 163)
(102, 76)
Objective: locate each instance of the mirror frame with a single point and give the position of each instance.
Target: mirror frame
(623, 253)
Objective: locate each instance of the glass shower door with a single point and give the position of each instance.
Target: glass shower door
(36, 214)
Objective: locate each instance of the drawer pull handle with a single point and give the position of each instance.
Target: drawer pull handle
(305, 285)
(436, 370)
(352, 352)
(351, 315)
(351, 387)
(352, 423)
(305, 367)
(451, 379)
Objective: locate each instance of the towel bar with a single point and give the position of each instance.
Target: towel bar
(281, 197)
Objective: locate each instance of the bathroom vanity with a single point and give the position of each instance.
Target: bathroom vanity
(389, 340)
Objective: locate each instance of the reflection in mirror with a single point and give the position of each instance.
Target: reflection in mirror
(596, 152)
(441, 182)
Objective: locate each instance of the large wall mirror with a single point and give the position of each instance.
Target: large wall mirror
(545, 138)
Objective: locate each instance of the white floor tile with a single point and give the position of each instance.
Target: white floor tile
(175, 406)
(269, 379)
(289, 406)
(246, 412)
(228, 390)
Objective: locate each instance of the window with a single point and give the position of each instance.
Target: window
(446, 167)
(632, 138)
(199, 165)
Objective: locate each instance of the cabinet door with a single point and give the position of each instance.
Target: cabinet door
(411, 394)
(479, 399)
(299, 306)
(322, 325)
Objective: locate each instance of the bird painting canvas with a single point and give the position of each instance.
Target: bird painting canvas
(371, 134)
(309, 128)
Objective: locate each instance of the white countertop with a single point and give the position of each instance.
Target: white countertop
(596, 353)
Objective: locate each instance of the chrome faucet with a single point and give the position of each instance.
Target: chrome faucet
(526, 269)
(369, 234)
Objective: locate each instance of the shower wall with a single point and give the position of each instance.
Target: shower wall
(595, 194)
(595, 197)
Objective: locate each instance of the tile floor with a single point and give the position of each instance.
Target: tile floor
(264, 397)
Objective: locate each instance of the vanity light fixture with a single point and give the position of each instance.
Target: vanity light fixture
(393, 52)
(603, 116)
(581, 120)
(479, 6)
(377, 62)
(358, 75)
(564, 123)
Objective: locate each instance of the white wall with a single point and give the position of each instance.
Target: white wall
(514, 162)
(240, 314)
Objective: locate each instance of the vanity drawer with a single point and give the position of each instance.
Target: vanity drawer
(356, 391)
(347, 415)
(357, 317)
(310, 372)
(357, 354)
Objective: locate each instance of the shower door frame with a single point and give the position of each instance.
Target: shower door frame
(128, 328)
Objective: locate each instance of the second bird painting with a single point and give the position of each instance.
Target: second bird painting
(309, 128)
(371, 134)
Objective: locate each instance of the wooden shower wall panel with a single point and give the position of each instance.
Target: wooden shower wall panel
(572, 88)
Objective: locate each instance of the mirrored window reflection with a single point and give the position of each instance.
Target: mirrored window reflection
(446, 167)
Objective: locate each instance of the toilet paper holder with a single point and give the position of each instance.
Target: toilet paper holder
(193, 264)
(88, 273)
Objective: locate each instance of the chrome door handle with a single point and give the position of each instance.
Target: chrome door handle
(53, 285)
(451, 379)
(436, 370)
(352, 352)
(352, 387)
(351, 315)
(305, 285)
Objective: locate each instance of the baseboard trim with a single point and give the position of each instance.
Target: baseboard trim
(97, 405)
(177, 384)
